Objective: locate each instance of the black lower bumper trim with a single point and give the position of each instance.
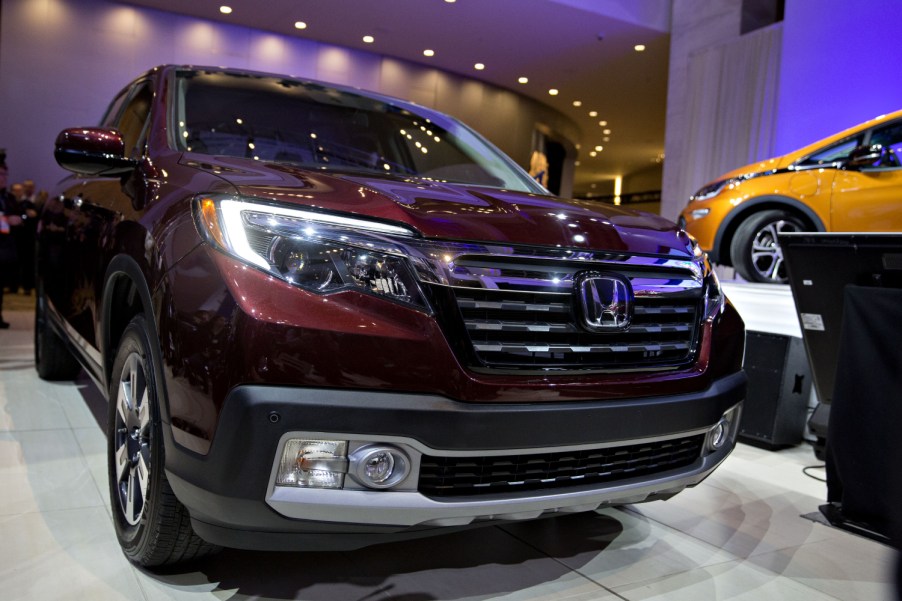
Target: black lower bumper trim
(226, 489)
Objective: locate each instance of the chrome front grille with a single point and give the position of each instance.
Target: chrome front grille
(466, 476)
(527, 317)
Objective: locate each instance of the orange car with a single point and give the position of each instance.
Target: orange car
(849, 182)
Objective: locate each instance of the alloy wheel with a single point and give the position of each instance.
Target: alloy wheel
(767, 255)
(132, 442)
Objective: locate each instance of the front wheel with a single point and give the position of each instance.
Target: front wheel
(152, 526)
(755, 251)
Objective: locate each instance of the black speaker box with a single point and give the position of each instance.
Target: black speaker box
(776, 402)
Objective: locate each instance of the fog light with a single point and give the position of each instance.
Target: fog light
(313, 463)
(379, 466)
(718, 435)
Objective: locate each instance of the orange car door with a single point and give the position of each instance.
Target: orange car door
(870, 199)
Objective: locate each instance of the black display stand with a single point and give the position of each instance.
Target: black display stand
(776, 402)
(864, 442)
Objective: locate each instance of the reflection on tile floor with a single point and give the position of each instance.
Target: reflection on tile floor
(738, 535)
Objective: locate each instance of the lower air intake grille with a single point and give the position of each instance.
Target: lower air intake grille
(467, 476)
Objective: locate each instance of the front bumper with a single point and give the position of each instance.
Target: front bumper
(232, 499)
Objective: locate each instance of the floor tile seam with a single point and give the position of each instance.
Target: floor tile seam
(135, 572)
(674, 574)
(560, 563)
(775, 548)
(760, 556)
(69, 415)
(830, 534)
(18, 354)
(11, 430)
(738, 562)
(680, 532)
(51, 511)
(92, 429)
(74, 439)
(597, 583)
(66, 427)
(102, 491)
(796, 472)
(80, 457)
(782, 492)
(794, 579)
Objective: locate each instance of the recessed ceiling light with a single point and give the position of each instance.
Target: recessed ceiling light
(593, 154)
(368, 39)
(602, 123)
(639, 47)
(300, 25)
(226, 10)
(577, 103)
(606, 132)
(428, 52)
(479, 66)
(523, 80)
(599, 148)
(553, 91)
(593, 113)
(576, 164)
(450, 1)
(605, 139)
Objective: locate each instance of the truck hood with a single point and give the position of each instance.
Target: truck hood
(456, 211)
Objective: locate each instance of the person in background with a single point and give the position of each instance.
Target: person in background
(13, 194)
(26, 234)
(34, 196)
(8, 259)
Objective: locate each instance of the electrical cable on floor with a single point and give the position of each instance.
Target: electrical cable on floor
(814, 467)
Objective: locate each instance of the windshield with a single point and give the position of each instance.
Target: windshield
(320, 127)
(834, 153)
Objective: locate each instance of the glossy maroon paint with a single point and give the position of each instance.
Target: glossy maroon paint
(455, 212)
(222, 323)
(228, 324)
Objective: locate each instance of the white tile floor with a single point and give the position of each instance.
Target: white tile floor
(738, 535)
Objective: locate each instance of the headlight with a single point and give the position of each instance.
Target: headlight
(715, 188)
(714, 297)
(319, 252)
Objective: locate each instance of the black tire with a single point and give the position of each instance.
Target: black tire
(755, 250)
(52, 360)
(152, 526)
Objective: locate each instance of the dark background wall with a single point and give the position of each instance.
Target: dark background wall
(62, 61)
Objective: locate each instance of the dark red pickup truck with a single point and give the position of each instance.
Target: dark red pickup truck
(325, 318)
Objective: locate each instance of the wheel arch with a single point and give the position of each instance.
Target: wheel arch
(720, 253)
(127, 294)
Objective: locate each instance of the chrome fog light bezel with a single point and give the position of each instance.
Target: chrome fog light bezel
(718, 435)
(360, 458)
(722, 433)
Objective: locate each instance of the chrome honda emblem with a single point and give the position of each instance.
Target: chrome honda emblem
(606, 301)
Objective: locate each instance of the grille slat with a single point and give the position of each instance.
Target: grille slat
(516, 326)
(513, 305)
(534, 327)
(463, 476)
(570, 348)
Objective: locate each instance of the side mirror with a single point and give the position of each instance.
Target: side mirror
(867, 156)
(92, 151)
